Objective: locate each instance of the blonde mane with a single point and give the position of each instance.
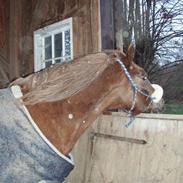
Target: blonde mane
(63, 80)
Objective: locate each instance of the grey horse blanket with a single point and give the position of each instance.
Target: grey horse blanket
(24, 156)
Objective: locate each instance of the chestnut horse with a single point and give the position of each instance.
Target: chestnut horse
(64, 100)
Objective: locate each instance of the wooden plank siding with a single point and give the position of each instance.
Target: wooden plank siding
(14, 38)
(4, 42)
(28, 16)
(150, 151)
(107, 24)
(93, 25)
(46, 12)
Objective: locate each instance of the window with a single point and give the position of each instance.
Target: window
(53, 44)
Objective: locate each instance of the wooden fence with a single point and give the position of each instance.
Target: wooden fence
(149, 151)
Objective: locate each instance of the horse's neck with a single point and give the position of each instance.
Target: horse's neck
(63, 122)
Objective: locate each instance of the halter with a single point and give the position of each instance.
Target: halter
(136, 89)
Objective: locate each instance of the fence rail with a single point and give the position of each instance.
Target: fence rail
(149, 151)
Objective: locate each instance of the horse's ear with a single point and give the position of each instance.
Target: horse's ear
(130, 53)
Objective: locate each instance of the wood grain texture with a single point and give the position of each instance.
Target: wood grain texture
(4, 43)
(107, 24)
(38, 14)
(14, 38)
(20, 19)
(112, 161)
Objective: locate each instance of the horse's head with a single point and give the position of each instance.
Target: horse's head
(136, 92)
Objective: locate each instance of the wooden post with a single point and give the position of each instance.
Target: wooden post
(107, 24)
(95, 25)
(14, 38)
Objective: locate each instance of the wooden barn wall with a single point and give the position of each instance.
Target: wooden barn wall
(4, 19)
(149, 151)
(4, 42)
(27, 16)
(107, 24)
(38, 13)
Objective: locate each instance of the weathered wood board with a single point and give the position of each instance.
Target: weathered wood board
(111, 153)
(19, 19)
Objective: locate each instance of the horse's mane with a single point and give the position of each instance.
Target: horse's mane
(63, 80)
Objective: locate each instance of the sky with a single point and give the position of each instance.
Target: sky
(172, 50)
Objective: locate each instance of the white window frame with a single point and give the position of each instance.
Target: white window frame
(51, 30)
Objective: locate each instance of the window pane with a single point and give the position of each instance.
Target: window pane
(48, 63)
(58, 45)
(48, 48)
(67, 43)
(68, 58)
(58, 61)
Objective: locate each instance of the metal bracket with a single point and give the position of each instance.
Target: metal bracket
(125, 139)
